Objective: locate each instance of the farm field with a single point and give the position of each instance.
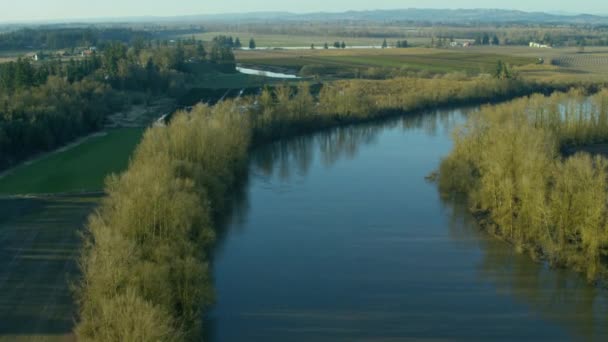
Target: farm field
(284, 40)
(434, 60)
(79, 168)
(559, 63)
(39, 244)
(566, 64)
(583, 61)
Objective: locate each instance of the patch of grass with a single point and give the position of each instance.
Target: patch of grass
(233, 81)
(80, 168)
(208, 76)
(39, 245)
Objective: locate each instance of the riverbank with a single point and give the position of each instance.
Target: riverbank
(508, 160)
(170, 173)
(307, 256)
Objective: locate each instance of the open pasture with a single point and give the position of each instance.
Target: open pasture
(82, 167)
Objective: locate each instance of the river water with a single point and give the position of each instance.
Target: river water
(271, 74)
(338, 237)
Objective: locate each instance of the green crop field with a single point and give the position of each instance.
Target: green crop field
(39, 244)
(80, 168)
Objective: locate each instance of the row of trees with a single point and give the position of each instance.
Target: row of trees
(47, 116)
(145, 260)
(485, 39)
(44, 105)
(507, 160)
(62, 38)
(232, 43)
(337, 45)
(342, 45)
(144, 270)
(402, 44)
(144, 264)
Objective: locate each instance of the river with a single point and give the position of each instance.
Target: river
(338, 237)
(271, 74)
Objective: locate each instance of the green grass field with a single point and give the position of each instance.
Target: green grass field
(39, 244)
(80, 168)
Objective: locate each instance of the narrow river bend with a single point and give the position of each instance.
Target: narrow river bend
(338, 237)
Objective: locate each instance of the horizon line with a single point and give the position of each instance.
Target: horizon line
(102, 19)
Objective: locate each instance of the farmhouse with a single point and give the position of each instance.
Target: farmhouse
(35, 56)
(461, 44)
(539, 45)
(89, 52)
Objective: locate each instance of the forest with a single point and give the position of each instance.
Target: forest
(510, 162)
(63, 38)
(47, 104)
(145, 261)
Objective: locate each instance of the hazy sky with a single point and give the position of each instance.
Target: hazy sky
(11, 10)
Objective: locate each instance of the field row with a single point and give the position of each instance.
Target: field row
(433, 60)
(582, 60)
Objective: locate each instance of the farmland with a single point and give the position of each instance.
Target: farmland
(566, 64)
(39, 244)
(419, 59)
(559, 64)
(79, 168)
(286, 40)
(586, 61)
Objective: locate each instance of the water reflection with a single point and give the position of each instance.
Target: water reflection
(294, 156)
(322, 246)
(558, 295)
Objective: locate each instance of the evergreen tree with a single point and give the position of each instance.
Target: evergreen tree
(326, 46)
(486, 39)
(495, 40)
(343, 45)
(252, 45)
(237, 43)
(200, 50)
(384, 44)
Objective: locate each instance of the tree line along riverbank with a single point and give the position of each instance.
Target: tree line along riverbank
(507, 159)
(145, 261)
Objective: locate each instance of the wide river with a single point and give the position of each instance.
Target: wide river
(338, 237)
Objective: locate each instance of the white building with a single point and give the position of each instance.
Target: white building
(539, 45)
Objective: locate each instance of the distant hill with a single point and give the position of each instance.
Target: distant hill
(460, 16)
(447, 16)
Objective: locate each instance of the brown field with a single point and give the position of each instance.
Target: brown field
(39, 243)
(433, 60)
(558, 63)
